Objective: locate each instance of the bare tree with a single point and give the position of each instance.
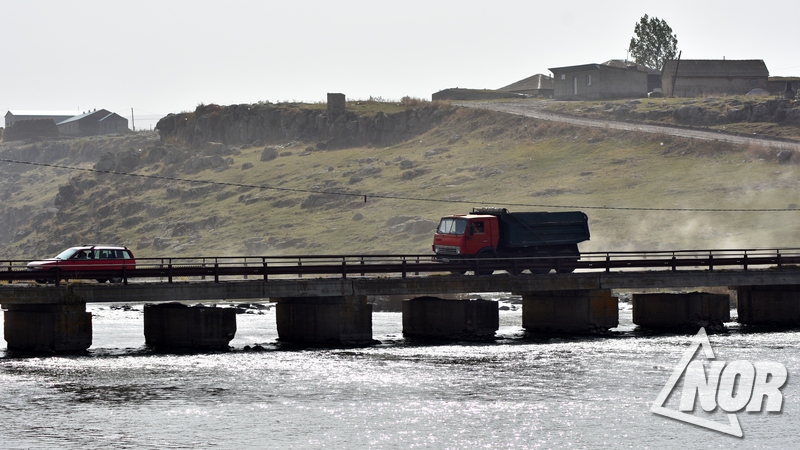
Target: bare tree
(654, 42)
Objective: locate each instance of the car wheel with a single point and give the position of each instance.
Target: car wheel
(101, 280)
(115, 280)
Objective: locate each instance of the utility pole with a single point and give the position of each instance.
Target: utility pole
(133, 120)
(677, 65)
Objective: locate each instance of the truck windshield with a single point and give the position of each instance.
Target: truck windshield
(452, 226)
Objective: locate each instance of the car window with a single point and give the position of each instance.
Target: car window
(80, 254)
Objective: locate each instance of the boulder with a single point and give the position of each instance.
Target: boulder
(269, 154)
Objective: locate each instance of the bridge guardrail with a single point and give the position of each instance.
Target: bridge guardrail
(264, 267)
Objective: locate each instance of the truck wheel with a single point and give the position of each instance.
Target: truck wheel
(570, 259)
(485, 254)
(517, 271)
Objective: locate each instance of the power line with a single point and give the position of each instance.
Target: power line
(387, 196)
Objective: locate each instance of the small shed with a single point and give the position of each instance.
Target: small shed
(700, 77)
(538, 85)
(783, 86)
(608, 80)
(93, 123)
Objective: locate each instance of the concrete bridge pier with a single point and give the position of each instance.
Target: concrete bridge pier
(573, 311)
(769, 305)
(341, 320)
(690, 310)
(437, 318)
(175, 325)
(50, 328)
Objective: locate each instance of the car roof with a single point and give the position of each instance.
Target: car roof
(102, 247)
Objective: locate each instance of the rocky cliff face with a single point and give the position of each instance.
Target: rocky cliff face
(260, 124)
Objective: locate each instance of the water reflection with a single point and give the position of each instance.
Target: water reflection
(524, 393)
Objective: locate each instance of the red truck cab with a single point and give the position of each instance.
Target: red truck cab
(465, 235)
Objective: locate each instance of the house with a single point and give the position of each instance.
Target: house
(653, 75)
(93, 123)
(538, 85)
(56, 116)
(699, 77)
(609, 80)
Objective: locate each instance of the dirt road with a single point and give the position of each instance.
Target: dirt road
(536, 110)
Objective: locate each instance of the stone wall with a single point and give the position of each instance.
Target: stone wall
(460, 94)
(261, 124)
(780, 111)
(29, 129)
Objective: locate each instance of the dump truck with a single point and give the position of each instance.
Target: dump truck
(537, 241)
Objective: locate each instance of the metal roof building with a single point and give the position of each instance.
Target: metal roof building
(700, 77)
(93, 123)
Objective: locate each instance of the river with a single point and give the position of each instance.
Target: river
(516, 392)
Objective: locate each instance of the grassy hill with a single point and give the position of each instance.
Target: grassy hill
(236, 200)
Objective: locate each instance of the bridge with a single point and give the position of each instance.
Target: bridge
(324, 299)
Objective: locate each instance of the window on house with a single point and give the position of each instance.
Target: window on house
(588, 80)
(563, 76)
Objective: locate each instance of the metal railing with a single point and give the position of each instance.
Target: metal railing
(222, 268)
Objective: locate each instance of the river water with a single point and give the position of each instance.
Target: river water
(516, 392)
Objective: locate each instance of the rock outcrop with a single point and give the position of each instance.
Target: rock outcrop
(780, 111)
(263, 124)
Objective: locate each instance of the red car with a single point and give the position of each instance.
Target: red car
(75, 260)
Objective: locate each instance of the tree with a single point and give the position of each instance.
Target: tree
(654, 42)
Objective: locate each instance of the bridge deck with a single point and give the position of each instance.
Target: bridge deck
(145, 292)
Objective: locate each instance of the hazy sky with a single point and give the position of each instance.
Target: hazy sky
(162, 56)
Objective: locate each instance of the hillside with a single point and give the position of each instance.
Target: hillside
(282, 192)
